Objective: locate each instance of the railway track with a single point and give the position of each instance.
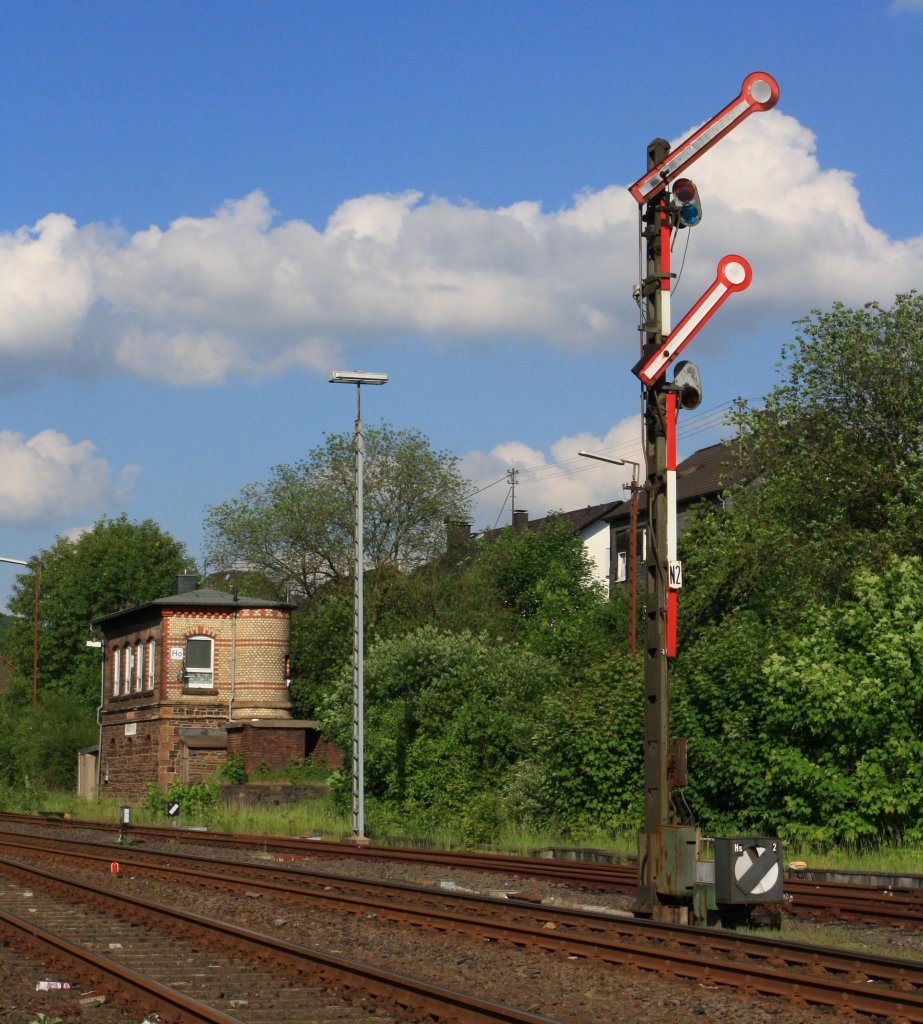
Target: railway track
(874, 986)
(884, 904)
(198, 970)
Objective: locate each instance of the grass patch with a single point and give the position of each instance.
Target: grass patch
(891, 858)
(323, 817)
(874, 941)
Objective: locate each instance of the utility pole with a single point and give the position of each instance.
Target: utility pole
(632, 573)
(633, 564)
(511, 475)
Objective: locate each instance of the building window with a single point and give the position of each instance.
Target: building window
(621, 566)
(116, 671)
(151, 650)
(139, 666)
(200, 669)
(127, 662)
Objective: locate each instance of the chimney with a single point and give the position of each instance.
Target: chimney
(186, 583)
(520, 519)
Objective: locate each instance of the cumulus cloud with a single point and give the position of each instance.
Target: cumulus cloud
(557, 481)
(47, 287)
(244, 293)
(48, 477)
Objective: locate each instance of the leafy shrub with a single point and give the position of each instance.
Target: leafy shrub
(588, 751)
(198, 800)
(446, 717)
(233, 770)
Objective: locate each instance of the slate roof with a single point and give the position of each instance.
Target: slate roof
(204, 598)
(580, 518)
(705, 474)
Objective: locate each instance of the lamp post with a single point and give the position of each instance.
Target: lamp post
(632, 545)
(37, 567)
(358, 378)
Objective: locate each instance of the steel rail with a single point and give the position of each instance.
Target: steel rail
(145, 994)
(779, 970)
(373, 895)
(868, 904)
(411, 995)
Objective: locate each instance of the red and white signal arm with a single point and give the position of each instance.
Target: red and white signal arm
(734, 275)
(759, 92)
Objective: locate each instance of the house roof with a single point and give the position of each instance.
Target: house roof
(204, 598)
(705, 474)
(580, 518)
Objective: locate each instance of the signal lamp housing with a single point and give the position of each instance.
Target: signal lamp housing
(687, 207)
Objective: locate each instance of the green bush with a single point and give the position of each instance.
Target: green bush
(447, 716)
(233, 770)
(588, 751)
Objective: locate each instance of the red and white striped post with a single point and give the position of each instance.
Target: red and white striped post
(674, 568)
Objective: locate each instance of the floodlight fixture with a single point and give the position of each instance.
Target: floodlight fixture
(603, 458)
(357, 377)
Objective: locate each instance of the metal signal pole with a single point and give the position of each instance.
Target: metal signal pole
(674, 882)
(655, 292)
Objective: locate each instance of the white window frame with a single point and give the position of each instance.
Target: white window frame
(621, 566)
(151, 654)
(201, 678)
(139, 665)
(116, 671)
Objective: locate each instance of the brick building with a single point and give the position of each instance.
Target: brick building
(189, 679)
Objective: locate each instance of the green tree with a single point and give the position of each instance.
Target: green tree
(532, 588)
(297, 527)
(542, 580)
(848, 763)
(40, 748)
(114, 565)
(834, 466)
(588, 750)
(448, 716)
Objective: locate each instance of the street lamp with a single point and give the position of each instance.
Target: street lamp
(38, 587)
(632, 545)
(358, 378)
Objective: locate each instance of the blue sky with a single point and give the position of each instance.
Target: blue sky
(207, 207)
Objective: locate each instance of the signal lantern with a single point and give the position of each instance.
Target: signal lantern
(687, 208)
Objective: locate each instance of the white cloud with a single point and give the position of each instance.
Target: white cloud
(49, 478)
(559, 481)
(244, 293)
(46, 287)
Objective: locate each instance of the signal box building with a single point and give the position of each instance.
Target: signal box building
(189, 679)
